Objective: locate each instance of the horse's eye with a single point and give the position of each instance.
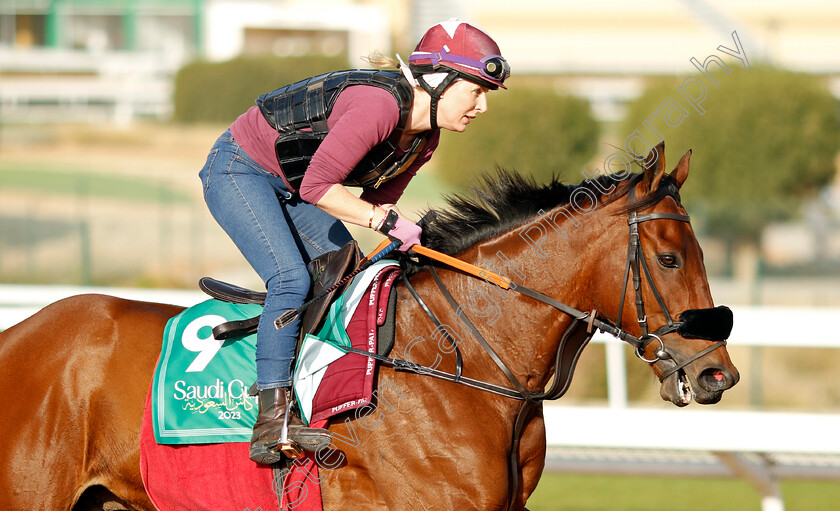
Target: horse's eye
(669, 260)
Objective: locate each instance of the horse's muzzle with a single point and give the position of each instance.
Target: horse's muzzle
(713, 324)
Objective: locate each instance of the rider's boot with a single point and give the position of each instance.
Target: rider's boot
(279, 433)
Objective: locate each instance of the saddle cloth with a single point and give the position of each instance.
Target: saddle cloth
(329, 381)
(209, 476)
(200, 385)
(205, 477)
(199, 390)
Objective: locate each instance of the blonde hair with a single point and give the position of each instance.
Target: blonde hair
(380, 60)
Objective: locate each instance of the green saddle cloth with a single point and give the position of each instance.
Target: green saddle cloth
(200, 385)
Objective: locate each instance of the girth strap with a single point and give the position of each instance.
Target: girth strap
(459, 361)
(459, 311)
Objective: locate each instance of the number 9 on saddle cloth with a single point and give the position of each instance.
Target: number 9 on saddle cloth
(186, 400)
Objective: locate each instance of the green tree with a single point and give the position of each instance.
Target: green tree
(765, 142)
(221, 91)
(532, 130)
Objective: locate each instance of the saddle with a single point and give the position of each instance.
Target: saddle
(325, 270)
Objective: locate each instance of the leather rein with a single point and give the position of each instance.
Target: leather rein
(636, 263)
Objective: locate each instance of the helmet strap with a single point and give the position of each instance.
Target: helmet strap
(435, 93)
(406, 71)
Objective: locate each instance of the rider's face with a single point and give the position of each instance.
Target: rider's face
(459, 104)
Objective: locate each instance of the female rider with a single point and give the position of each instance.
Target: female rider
(275, 181)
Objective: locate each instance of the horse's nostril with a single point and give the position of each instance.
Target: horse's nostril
(715, 379)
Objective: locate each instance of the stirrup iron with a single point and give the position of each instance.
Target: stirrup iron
(286, 445)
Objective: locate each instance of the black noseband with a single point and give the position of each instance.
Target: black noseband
(709, 324)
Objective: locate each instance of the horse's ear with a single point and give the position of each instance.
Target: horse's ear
(654, 167)
(680, 173)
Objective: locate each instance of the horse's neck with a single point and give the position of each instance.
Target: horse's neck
(523, 332)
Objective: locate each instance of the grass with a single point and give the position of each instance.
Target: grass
(570, 492)
(85, 184)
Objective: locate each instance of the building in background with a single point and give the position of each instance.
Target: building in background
(115, 59)
(93, 60)
(604, 49)
(100, 25)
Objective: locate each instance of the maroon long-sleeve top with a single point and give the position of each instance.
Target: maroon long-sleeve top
(362, 117)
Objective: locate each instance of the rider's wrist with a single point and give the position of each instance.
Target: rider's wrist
(377, 225)
(388, 222)
(370, 218)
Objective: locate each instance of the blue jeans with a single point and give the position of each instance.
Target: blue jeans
(278, 233)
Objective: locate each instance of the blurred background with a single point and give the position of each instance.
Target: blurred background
(109, 107)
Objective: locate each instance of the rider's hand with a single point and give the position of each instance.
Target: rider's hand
(406, 232)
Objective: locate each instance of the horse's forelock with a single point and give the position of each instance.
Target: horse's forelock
(667, 188)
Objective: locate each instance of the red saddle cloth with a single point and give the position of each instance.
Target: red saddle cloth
(210, 477)
(203, 477)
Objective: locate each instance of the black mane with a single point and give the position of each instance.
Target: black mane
(506, 199)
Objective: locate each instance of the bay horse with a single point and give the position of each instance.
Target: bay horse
(76, 373)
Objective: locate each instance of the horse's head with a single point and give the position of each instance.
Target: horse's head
(562, 240)
(667, 302)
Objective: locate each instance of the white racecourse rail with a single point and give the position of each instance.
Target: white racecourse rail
(18, 302)
(741, 441)
(749, 444)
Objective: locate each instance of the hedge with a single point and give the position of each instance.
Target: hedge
(766, 141)
(529, 129)
(221, 91)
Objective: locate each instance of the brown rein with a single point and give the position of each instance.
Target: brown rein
(531, 400)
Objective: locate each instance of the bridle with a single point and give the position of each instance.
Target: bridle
(636, 263)
(687, 325)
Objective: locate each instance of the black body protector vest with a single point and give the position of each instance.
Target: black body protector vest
(308, 103)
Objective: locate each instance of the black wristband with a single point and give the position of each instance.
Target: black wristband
(389, 223)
